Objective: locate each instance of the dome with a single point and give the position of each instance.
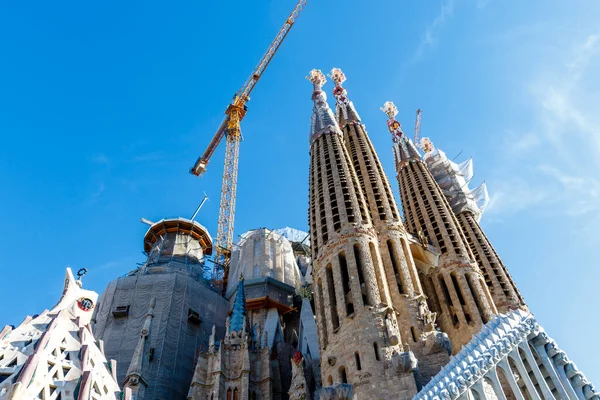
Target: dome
(262, 253)
(177, 238)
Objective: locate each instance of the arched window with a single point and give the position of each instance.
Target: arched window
(376, 350)
(342, 374)
(357, 360)
(335, 320)
(413, 332)
(229, 394)
(329, 381)
(361, 277)
(395, 266)
(346, 283)
(235, 394)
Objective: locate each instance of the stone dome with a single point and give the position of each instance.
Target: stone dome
(262, 253)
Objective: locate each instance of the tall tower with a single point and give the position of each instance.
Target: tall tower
(401, 276)
(359, 336)
(454, 181)
(456, 289)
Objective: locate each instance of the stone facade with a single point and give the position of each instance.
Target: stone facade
(54, 355)
(372, 309)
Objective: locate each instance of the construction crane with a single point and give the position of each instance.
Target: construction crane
(230, 129)
(417, 129)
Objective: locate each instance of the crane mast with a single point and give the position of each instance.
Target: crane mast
(230, 129)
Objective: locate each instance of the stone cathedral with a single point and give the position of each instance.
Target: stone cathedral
(372, 303)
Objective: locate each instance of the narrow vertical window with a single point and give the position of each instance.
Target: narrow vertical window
(342, 374)
(229, 397)
(461, 298)
(346, 283)
(432, 298)
(361, 277)
(413, 333)
(395, 266)
(357, 360)
(376, 350)
(447, 300)
(335, 320)
(235, 394)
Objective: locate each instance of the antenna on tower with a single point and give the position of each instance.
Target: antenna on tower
(417, 129)
(200, 206)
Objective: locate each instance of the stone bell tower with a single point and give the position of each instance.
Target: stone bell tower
(455, 288)
(468, 205)
(359, 336)
(400, 278)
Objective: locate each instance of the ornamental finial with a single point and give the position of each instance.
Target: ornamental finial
(426, 145)
(338, 77)
(394, 126)
(317, 78)
(390, 109)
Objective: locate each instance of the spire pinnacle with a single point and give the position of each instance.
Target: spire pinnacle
(426, 145)
(345, 111)
(238, 314)
(316, 77)
(404, 148)
(322, 120)
(395, 127)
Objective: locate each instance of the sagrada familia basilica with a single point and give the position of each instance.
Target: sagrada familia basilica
(374, 306)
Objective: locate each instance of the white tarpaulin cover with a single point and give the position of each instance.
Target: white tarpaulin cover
(454, 180)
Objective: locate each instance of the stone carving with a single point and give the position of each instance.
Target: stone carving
(299, 387)
(402, 363)
(437, 341)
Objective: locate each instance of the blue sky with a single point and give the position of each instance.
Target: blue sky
(104, 106)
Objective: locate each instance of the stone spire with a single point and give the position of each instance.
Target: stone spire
(454, 182)
(322, 120)
(400, 272)
(455, 288)
(134, 379)
(50, 355)
(347, 272)
(344, 108)
(239, 313)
